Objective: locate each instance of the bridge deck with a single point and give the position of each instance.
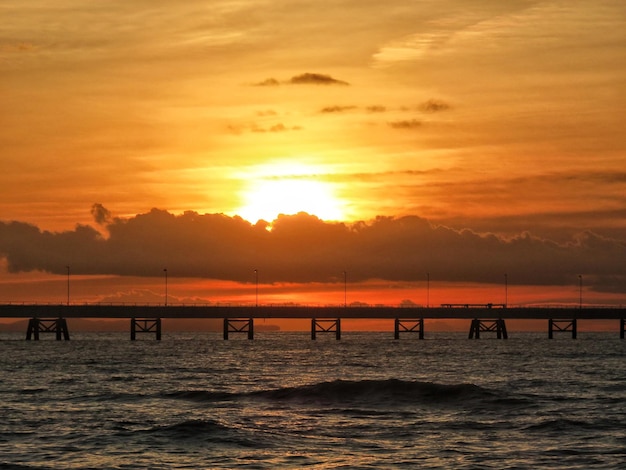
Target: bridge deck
(453, 311)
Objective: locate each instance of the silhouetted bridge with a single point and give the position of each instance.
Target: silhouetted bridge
(485, 318)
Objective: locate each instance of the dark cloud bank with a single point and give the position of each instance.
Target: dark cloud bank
(303, 248)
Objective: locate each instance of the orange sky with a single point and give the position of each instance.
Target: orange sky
(486, 136)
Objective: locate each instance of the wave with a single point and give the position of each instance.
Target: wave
(32, 391)
(189, 429)
(568, 425)
(200, 395)
(201, 432)
(12, 466)
(387, 393)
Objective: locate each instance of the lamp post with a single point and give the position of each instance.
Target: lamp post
(506, 289)
(256, 281)
(68, 284)
(427, 290)
(345, 289)
(580, 291)
(165, 271)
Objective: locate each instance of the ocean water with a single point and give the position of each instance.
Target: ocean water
(284, 401)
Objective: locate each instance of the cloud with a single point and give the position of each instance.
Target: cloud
(341, 109)
(17, 47)
(280, 127)
(405, 124)
(337, 109)
(268, 82)
(433, 106)
(101, 214)
(275, 128)
(304, 79)
(376, 109)
(315, 79)
(303, 248)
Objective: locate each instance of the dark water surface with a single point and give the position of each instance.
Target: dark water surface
(284, 401)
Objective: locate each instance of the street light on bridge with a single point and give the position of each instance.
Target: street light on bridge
(506, 289)
(256, 282)
(165, 271)
(580, 291)
(68, 284)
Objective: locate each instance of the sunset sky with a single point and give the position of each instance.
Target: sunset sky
(466, 141)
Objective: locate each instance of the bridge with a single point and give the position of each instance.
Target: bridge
(485, 318)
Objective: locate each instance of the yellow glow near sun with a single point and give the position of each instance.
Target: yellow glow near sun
(288, 189)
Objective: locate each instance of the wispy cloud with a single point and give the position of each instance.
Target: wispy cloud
(280, 127)
(101, 215)
(376, 109)
(304, 79)
(17, 47)
(405, 124)
(337, 109)
(268, 82)
(256, 128)
(316, 79)
(433, 106)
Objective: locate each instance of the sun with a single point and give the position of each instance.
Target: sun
(288, 189)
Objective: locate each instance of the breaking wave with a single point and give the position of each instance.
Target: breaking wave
(390, 392)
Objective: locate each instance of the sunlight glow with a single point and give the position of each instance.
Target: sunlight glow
(288, 189)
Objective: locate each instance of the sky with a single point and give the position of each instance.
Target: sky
(423, 151)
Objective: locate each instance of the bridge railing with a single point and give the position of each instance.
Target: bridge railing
(401, 305)
(489, 305)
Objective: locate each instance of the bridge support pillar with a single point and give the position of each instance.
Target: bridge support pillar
(326, 326)
(239, 325)
(622, 327)
(145, 325)
(562, 326)
(47, 325)
(409, 326)
(478, 326)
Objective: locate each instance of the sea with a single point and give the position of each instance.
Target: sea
(284, 401)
